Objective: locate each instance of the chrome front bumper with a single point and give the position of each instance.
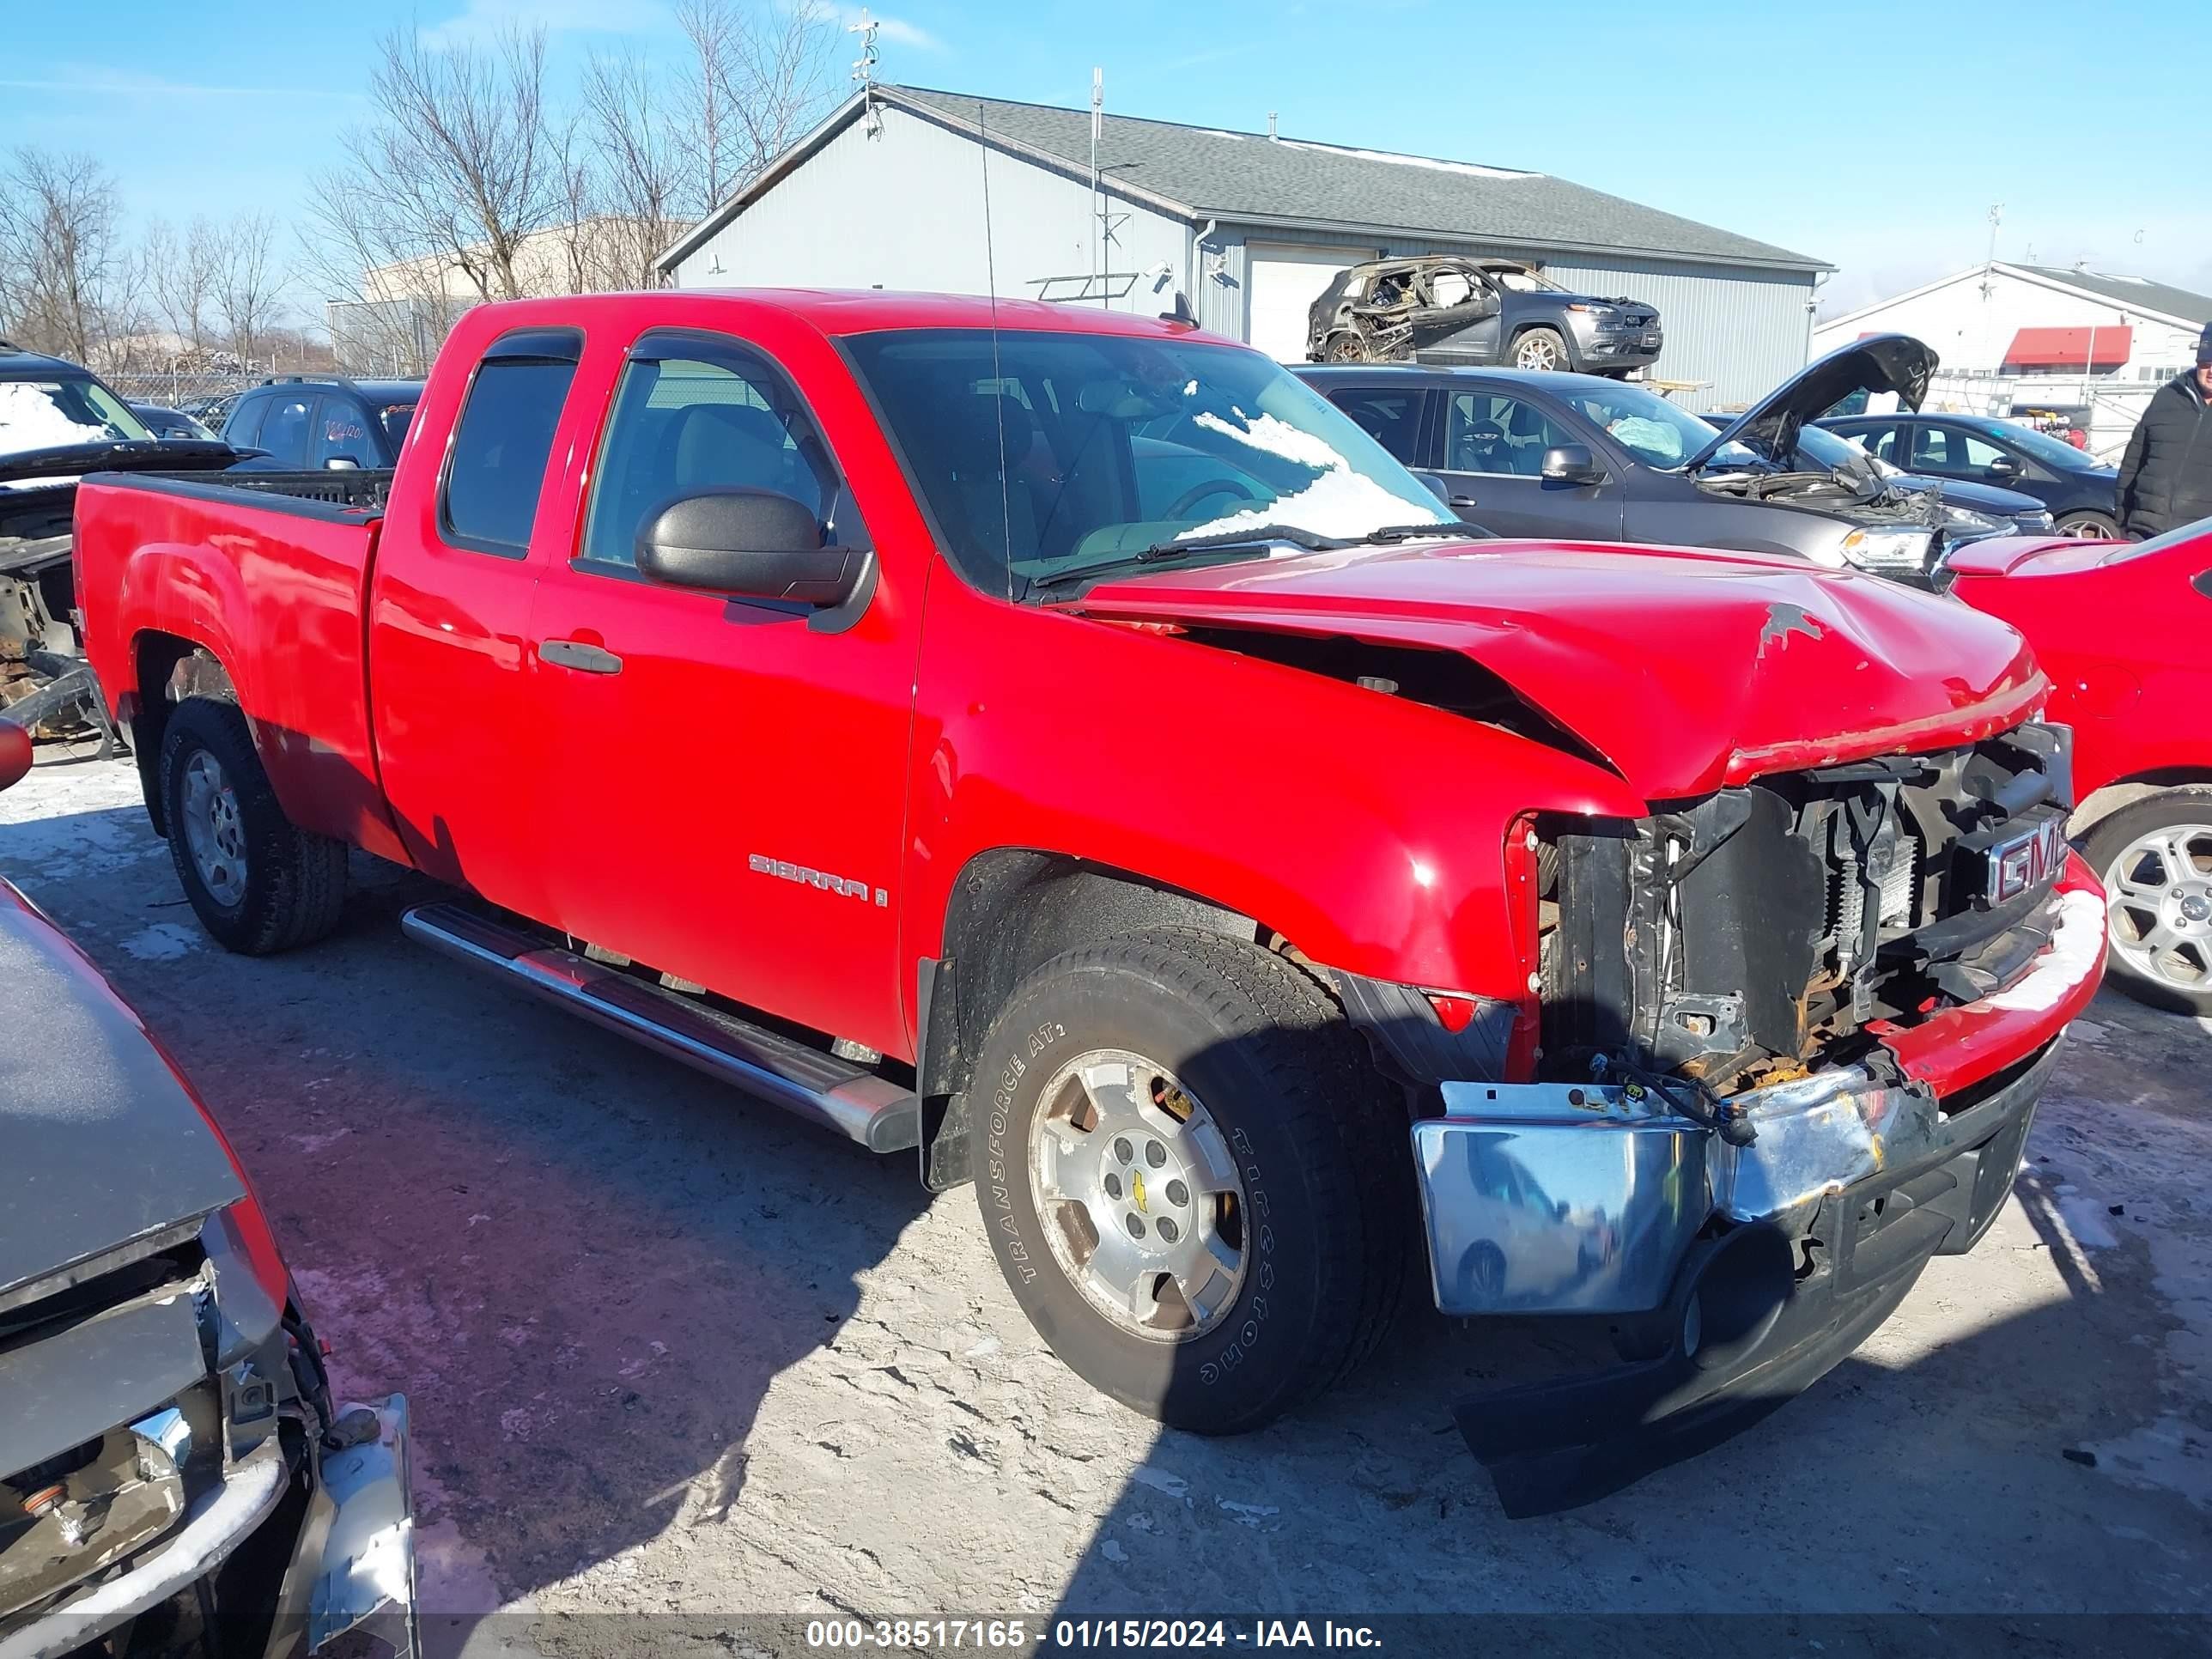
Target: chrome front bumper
(365, 1561)
(1561, 1199)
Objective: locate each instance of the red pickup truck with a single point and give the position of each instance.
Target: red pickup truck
(2120, 627)
(1062, 743)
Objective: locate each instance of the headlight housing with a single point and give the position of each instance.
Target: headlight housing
(1886, 550)
(1965, 519)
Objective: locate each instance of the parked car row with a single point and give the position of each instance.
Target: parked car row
(1560, 893)
(1593, 460)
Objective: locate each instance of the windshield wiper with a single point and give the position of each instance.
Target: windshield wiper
(1408, 533)
(1166, 552)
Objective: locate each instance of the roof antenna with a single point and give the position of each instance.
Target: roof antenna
(864, 74)
(998, 383)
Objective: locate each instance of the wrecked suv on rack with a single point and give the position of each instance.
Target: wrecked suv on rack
(1060, 747)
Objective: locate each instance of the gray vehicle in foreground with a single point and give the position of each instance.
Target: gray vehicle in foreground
(1453, 310)
(1577, 458)
(174, 1477)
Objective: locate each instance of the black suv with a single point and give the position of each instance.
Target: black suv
(310, 423)
(1454, 310)
(1978, 449)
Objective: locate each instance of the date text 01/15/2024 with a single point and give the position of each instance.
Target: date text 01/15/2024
(1082, 1635)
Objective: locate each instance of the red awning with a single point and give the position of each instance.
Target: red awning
(2070, 347)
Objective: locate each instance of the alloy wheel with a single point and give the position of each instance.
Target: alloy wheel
(1142, 1205)
(2159, 901)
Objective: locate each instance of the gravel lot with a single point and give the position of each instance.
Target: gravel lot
(669, 1352)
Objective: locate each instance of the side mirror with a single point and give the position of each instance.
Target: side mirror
(341, 464)
(2003, 466)
(1571, 464)
(748, 543)
(1436, 487)
(14, 754)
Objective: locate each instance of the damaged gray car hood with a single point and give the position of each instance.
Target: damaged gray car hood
(1881, 362)
(104, 1147)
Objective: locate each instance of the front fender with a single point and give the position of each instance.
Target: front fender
(1369, 831)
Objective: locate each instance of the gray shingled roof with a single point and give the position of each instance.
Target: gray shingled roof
(2139, 292)
(1249, 177)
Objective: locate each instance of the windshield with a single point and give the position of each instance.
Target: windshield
(2052, 451)
(1037, 453)
(1658, 433)
(52, 414)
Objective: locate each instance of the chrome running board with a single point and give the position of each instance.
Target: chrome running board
(857, 1103)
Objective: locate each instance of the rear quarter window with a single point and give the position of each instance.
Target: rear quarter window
(496, 466)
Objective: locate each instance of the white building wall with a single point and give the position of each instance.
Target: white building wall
(905, 209)
(1973, 331)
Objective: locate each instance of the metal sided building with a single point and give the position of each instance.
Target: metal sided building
(890, 191)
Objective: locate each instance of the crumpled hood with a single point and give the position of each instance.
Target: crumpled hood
(101, 1143)
(1880, 362)
(1685, 670)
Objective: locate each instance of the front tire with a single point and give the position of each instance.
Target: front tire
(2154, 857)
(257, 882)
(1540, 349)
(2089, 526)
(1194, 1180)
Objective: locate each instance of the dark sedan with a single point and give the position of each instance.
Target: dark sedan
(1573, 456)
(1978, 449)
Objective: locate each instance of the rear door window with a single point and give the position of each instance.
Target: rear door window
(496, 467)
(341, 435)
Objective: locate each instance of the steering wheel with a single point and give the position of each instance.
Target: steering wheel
(1197, 492)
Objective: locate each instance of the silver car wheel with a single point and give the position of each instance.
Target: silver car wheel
(1537, 352)
(1140, 1200)
(215, 832)
(2159, 901)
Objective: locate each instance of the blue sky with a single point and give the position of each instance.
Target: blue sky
(1874, 135)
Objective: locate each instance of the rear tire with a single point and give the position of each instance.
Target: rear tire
(1540, 349)
(1344, 348)
(2154, 857)
(1271, 1151)
(257, 883)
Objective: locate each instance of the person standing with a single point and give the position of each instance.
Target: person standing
(2165, 476)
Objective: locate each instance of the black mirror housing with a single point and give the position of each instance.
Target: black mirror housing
(748, 543)
(1436, 487)
(1571, 464)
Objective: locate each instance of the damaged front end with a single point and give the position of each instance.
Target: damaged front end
(174, 1476)
(1792, 1037)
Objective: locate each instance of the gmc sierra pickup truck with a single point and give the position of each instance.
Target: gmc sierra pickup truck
(1062, 744)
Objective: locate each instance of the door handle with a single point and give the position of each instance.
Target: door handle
(1463, 501)
(574, 653)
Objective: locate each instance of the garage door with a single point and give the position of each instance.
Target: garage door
(1286, 280)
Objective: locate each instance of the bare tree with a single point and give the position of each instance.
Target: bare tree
(759, 77)
(633, 169)
(180, 278)
(66, 285)
(441, 190)
(248, 282)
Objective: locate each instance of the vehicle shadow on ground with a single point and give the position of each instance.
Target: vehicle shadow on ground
(2052, 1434)
(577, 1258)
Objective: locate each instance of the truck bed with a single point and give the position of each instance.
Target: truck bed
(271, 570)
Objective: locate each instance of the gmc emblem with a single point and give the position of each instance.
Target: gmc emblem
(2026, 862)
